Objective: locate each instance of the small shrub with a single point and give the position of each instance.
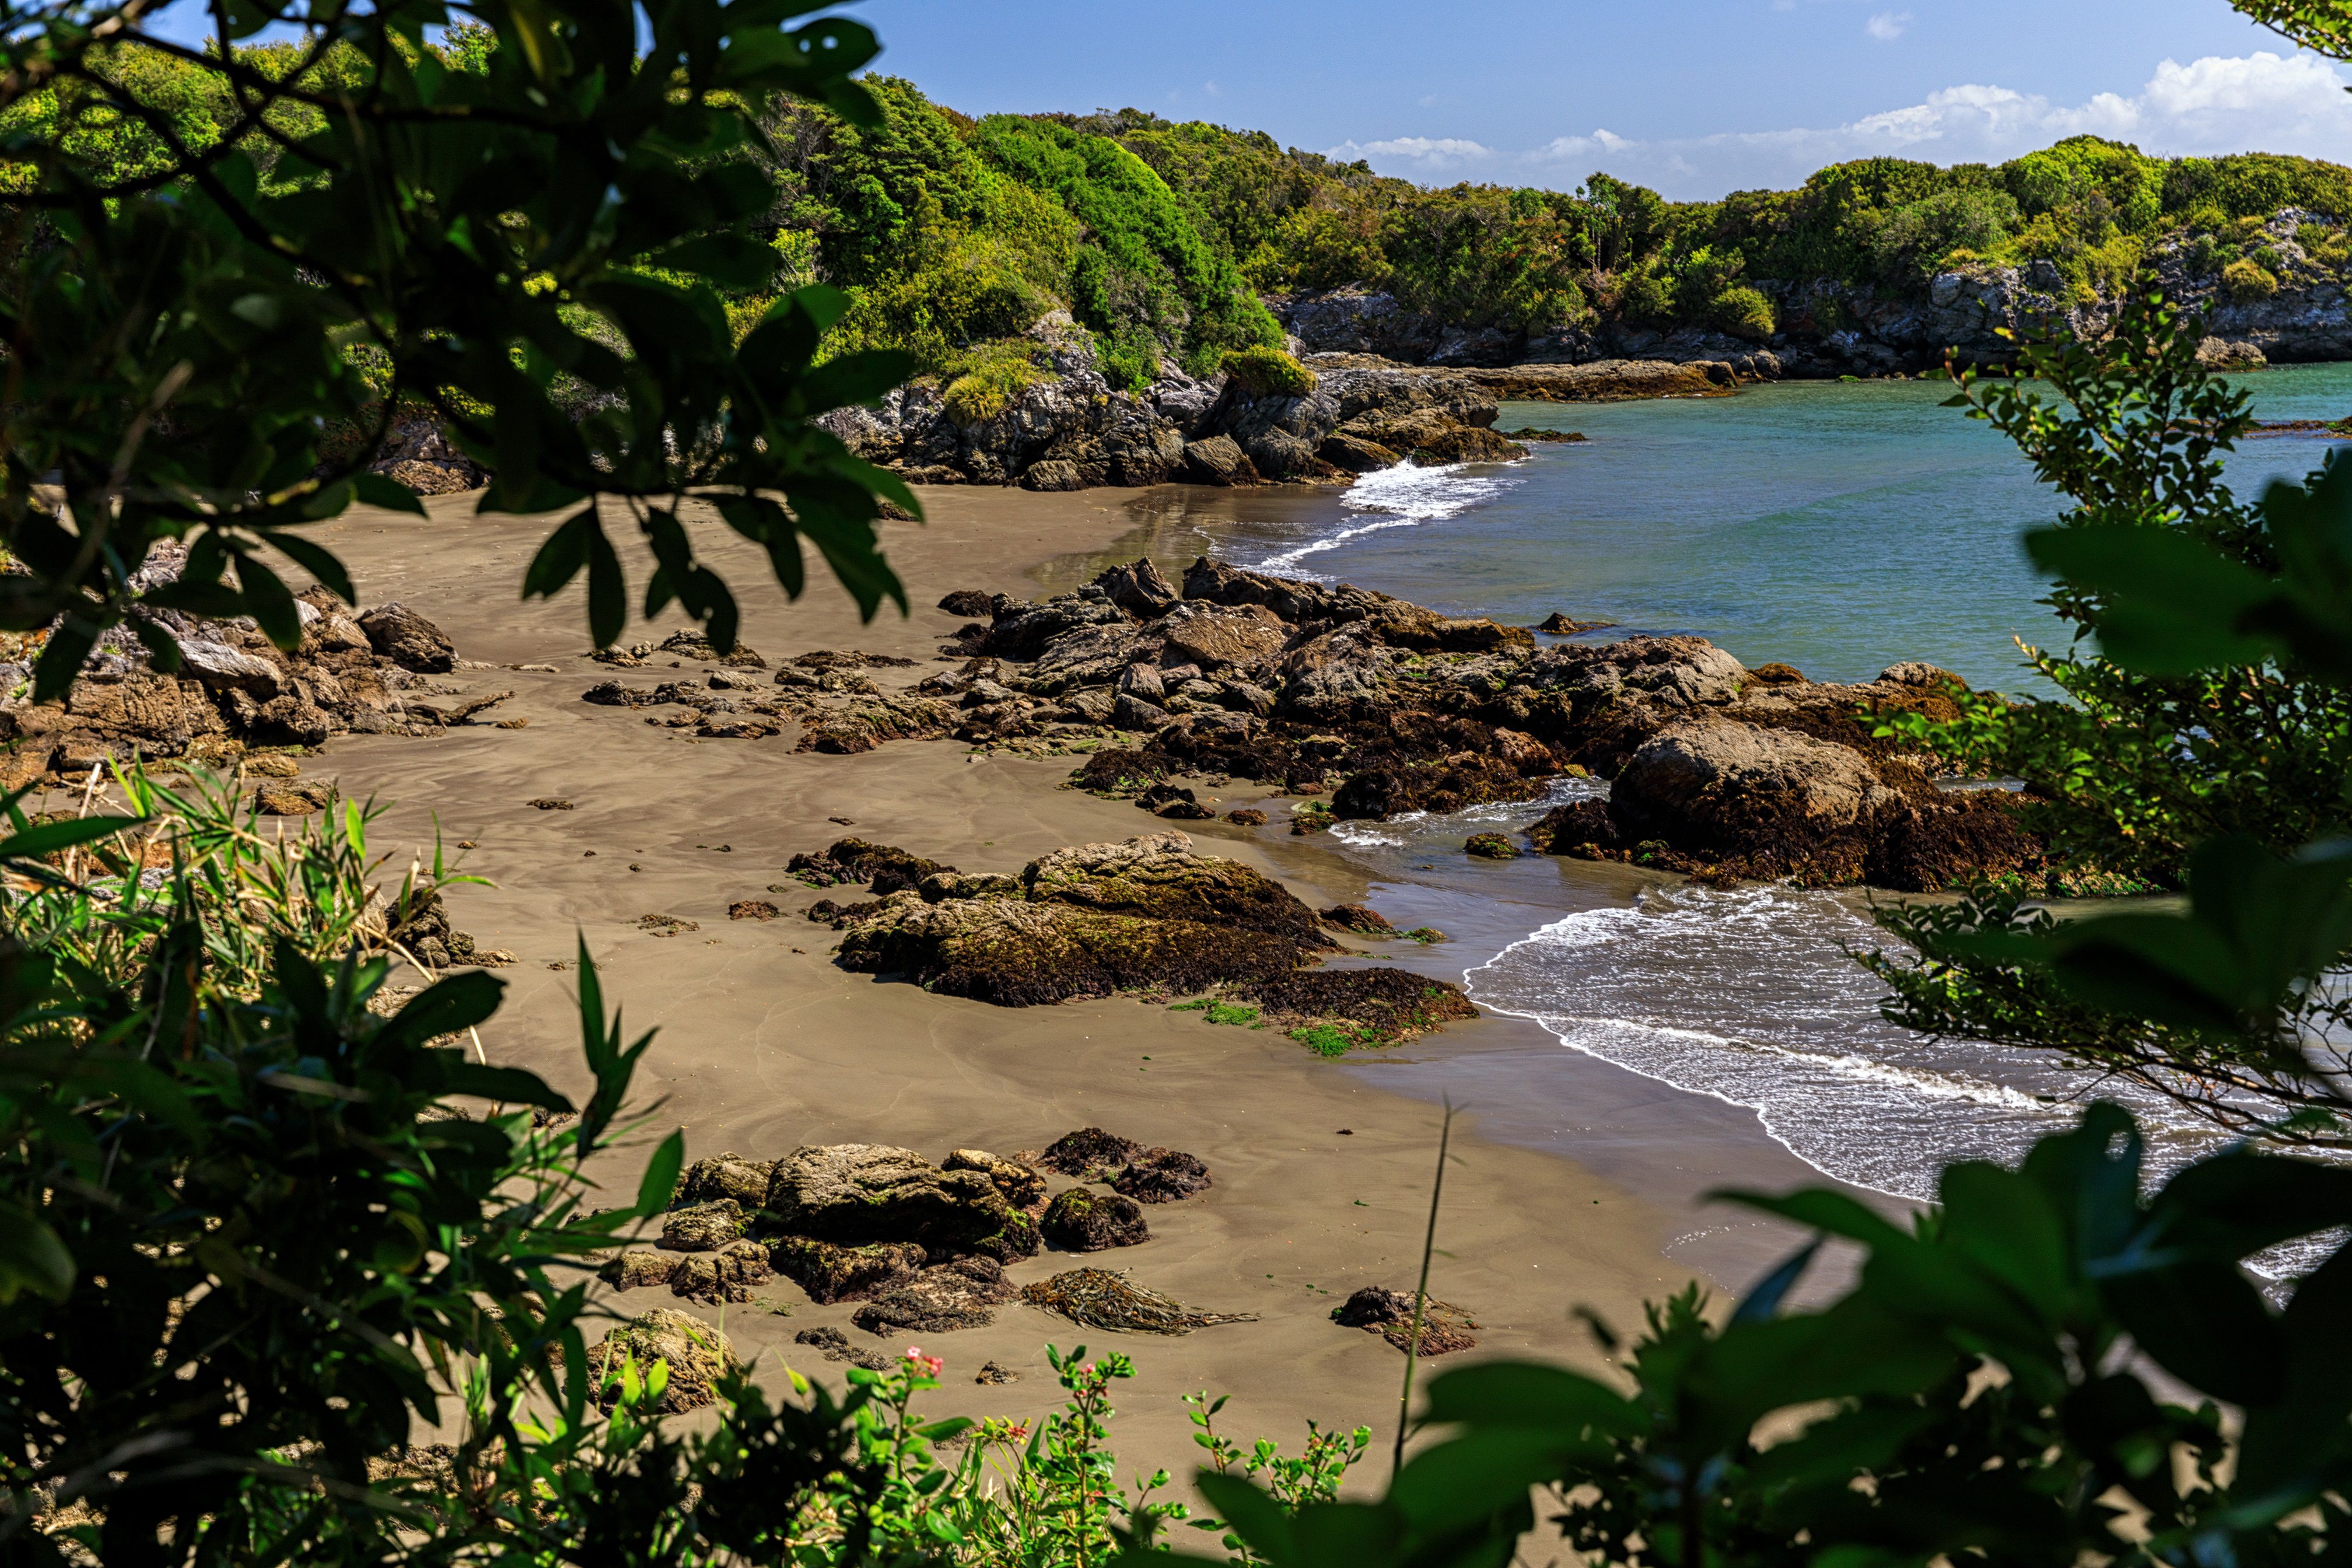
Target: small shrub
(1744, 312)
(985, 379)
(1269, 372)
(2246, 280)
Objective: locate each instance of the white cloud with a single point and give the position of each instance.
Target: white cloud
(2258, 102)
(1212, 89)
(1887, 25)
(1425, 154)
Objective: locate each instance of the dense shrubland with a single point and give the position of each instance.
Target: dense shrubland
(950, 234)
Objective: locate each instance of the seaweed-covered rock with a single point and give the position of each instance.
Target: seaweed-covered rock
(1385, 1004)
(1081, 1219)
(1361, 919)
(1162, 1177)
(1018, 953)
(857, 860)
(698, 1356)
(1023, 1187)
(1100, 1298)
(858, 1193)
(1445, 1328)
(831, 1272)
(703, 1227)
(1118, 773)
(965, 603)
(1090, 1154)
(1490, 847)
(639, 1267)
(964, 1294)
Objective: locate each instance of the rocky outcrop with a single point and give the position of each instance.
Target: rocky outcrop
(353, 673)
(1072, 430)
(1420, 1326)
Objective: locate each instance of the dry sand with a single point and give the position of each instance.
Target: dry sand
(1321, 1177)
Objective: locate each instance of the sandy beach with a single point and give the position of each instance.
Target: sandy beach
(1322, 1173)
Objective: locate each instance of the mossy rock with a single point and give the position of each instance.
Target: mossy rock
(697, 1354)
(1023, 954)
(1268, 373)
(1383, 1004)
(1490, 847)
(831, 1272)
(1158, 877)
(856, 1194)
(1081, 1219)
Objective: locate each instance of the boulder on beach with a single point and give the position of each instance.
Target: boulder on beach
(860, 1193)
(1443, 1330)
(698, 1356)
(728, 1176)
(1090, 1154)
(1081, 1219)
(1161, 1176)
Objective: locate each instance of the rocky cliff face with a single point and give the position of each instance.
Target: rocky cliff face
(1830, 327)
(1074, 431)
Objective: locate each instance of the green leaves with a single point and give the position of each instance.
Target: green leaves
(465, 237)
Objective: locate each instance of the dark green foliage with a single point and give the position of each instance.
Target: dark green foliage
(1966, 1400)
(188, 319)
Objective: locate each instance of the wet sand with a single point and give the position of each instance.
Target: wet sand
(763, 1045)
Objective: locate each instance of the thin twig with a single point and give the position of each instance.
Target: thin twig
(1421, 1291)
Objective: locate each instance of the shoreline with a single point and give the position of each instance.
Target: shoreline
(764, 1045)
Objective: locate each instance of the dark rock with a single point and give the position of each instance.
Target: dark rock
(1218, 461)
(1777, 674)
(408, 639)
(704, 1226)
(966, 602)
(752, 910)
(1563, 625)
(1081, 1219)
(1490, 847)
(1246, 816)
(990, 1372)
(1355, 455)
(1140, 589)
(1162, 1177)
(1444, 1329)
(1381, 1004)
(1133, 712)
(829, 1273)
(1357, 918)
(1089, 1154)
(964, 1294)
(1023, 1187)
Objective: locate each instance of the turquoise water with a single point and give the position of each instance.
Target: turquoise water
(1839, 527)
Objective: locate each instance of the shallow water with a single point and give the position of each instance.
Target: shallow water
(1838, 527)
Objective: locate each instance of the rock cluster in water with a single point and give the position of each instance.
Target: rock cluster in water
(1719, 771)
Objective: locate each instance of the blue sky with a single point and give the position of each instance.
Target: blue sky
(1694, 97)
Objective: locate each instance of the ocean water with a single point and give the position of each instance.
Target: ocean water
(1838, 527)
